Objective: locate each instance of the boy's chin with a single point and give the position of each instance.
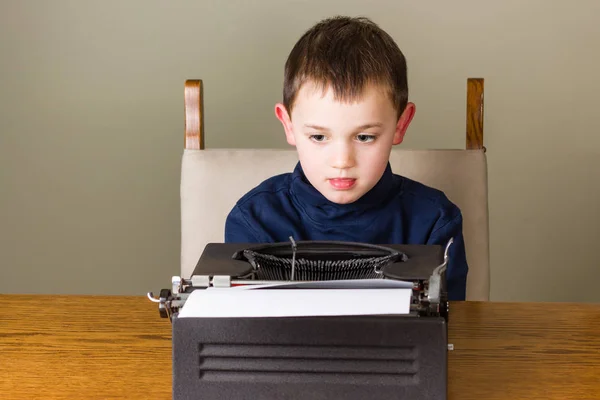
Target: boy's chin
(343, 197)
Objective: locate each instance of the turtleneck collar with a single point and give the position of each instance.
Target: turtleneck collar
(323, 211)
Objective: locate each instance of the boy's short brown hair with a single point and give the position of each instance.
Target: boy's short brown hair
(346, 54)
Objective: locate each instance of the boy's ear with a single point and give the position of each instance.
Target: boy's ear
(283, 116)
(404, 122)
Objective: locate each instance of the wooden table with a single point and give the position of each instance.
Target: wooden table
(86, 347)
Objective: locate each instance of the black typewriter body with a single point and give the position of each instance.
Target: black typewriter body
(334, 357)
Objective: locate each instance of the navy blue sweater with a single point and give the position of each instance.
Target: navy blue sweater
(396, 211)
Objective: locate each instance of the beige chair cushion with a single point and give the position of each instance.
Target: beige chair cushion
(213, 180)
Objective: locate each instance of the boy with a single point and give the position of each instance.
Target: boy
(345, 104)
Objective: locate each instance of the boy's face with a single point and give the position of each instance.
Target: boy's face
(343, 147)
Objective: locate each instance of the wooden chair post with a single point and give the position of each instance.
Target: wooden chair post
(475, 114)
(194, 121)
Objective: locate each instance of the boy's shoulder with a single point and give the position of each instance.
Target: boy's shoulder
(419, 197)
(412, 188)
(267, 188)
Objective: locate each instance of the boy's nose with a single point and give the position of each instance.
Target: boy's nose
(343, 157)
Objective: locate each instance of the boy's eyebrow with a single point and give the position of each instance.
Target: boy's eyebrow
(316, 127)
(360, 128)
(372, 125)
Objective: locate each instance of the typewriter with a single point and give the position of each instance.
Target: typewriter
(387, 355)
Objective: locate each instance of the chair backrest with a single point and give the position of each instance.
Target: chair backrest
(206, 200)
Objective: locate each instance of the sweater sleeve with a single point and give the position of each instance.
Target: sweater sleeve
(457, 268)
(237, 228)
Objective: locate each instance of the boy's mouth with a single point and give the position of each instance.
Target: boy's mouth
(342, 183)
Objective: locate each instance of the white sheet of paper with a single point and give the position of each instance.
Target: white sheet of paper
(335, 284)
(229, 302)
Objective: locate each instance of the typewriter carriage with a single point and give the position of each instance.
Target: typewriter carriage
(315, 261)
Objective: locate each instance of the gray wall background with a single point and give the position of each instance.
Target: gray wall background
(91, 125)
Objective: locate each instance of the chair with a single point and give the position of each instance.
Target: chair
(206, 201)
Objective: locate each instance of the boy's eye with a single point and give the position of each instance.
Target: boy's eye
(317, 138)
(365, 138)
